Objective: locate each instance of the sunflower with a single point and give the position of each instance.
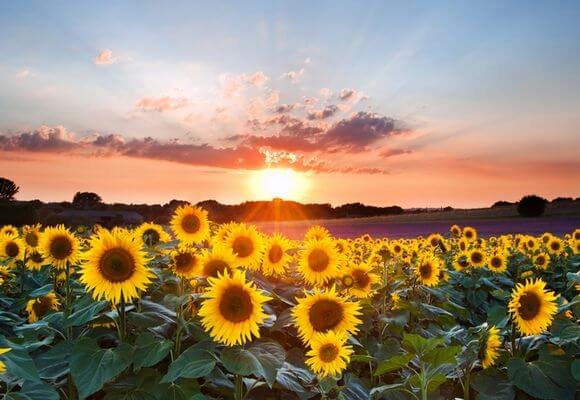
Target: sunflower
(233, 309)
(455, 231)
(470, 233)
(2, 365)
(319, 261)
(216, 261)
(532, 307)
(184, 261)
(8, 230)
(554, 246)
(190, 224)
(58, 246)
(477, 258)
(11, 247)
(329, 355)
(490, 347)
(463, 244)
(363, 280)
(427, 270)
(325, 310)
(497, 263)
(37, 308)
(542, 260)
(435, 240)
(35, 261)
(31, 236)
(115, 267)
(152, 234)
(460, 262)
(276, 255)
(397, 248)
(246, 245)
(576, 235)
(316, 232)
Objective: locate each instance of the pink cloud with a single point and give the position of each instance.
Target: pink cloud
(233, 84)
(294, 75)
(325, 92)
(160, 104)
(24, 73)
(105, 57)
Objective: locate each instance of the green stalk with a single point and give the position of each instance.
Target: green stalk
(467, 385)
(122, 319)
(239, 393)
(179, 314)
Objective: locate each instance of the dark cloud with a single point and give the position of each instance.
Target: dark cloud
(284, 108)
(394, 152)
(323, 113)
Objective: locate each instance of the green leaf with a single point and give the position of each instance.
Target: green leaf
(434, 382)
(54, 363)
(361, 358)
(491, 385)
(33, 391)
(91, 367)
(393, 363)
(442, 355)
(145, 386)
(549, 377)
(149, 350)
(20, 365)
(41, 291)
(195, 362)
(497, 315)
(575, 369)
(262, 358)
(419, 345)
(85, 314)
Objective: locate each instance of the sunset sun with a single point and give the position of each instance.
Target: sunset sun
(275, 182)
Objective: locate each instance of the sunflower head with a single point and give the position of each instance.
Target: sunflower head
(8, 230)
(316, 232)
(470, 233)
(324, 310)
(152, 234)
(2, 365)
(542, 260)
(59, 246)
(489, 350)
(31, 236)
(555, 246)
(276, 256)
(319, 261)
(329, 355)
(11, 247)
(35, 261)
(427, 270)
(532, 307)
(246, 245)
(455, 231)
(363, 280)
(37, 308)
(185, 261)
(232, 310)
(218, 260)
(190, 224)
(497, 263)
(477, 258)
(115, 266)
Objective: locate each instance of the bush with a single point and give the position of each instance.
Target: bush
(501, 203)
(532, 206)
(17, 214)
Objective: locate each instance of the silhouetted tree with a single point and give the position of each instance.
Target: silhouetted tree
(86, 200)
(8, 189)
(501, 203)
(532, 206)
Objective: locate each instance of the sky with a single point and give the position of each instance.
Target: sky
(420, 104)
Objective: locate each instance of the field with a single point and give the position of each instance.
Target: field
(196, 310)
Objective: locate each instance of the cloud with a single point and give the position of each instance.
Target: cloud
(233, 84)
(43, 139)
(323, 113)
(325, 92)
(24, 73)
(351, 95)
(160, 104)
(309, 101)
(307, 60)
(284, 108)
(105, 57)
(394, 152)
(294, 76)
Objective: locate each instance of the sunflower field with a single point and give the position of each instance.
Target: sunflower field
(197, 310)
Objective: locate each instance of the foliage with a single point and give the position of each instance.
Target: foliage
(8, 189)
(532, 206)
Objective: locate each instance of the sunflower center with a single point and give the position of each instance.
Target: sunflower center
(462, 246)
(213, 267)
(243, 246)
(12, 249)
(36, 257)
(236, 304)
(495, 262)
(318, 260)
(325, 315)
(31, 239)
(529, 306)
(42, 306)
(476, 257)
(425, 270)
(61, 247)
(117, 265)
(468, 234)
(151, 237)
(328, 352)
(184, 262)
(361, 278)
(541, 260)
(434, 242)
(190, 223)
(397, 249)
(347, 281)
(275, 254)
(555, 246)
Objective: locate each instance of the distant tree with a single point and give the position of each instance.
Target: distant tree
(562, 199)
(86, 200)
(532, 206)
(8, 189)
(502, 203)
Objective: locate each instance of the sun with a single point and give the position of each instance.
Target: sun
(275, 182)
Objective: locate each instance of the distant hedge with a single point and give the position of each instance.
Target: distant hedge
(532, 206)
(17, 214)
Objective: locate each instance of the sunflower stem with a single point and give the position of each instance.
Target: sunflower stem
(67, 301)
(239, 394)
(122, 319)
(467, 384)
(179, 312)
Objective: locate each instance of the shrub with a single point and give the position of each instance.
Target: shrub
(532, 206)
